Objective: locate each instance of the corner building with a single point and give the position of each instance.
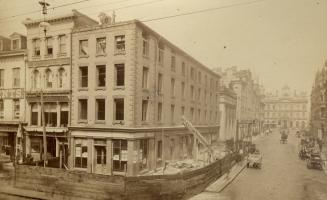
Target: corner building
(130, 89)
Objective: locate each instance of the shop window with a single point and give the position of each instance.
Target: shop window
(82, 109)
(81, 153)
(83, 73)
(83, 48)
(144, 144)
(100, 109)
(35, 145)
(119, 109)
(120, 43)
(120, 74)
(119, 155)
(101, 46)
(101, 75)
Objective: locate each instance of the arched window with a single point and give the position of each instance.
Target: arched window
(36, 79)
(48, 78)
(61, 77)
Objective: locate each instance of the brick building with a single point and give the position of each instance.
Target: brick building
(130, 88)
(12, 82)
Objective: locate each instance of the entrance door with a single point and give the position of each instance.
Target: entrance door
(100, 159)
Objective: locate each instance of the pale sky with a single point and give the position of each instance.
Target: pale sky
(281, 41)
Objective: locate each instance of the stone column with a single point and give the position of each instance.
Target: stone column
(109, 157)
(90, 155)
(130, 151)
(58, 114)
(39, 115)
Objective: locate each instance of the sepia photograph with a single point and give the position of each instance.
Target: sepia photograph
(163, 99)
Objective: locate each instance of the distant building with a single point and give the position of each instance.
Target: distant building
(249, 102)
(12, 85)
(286, 109)
(130, 88)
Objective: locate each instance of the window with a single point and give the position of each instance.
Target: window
(159, 150)
(2, 77)
(119, 155)
(15, 44)
(173, 63)
(62, 44)
(36, 45)
(50, 114)
(16, 77)
(192, 73)
(119, 109)
(60, 77)
(172, 89)
(120, 43)
(82, 103)
(101, 75)
(199, 94)
(48, 78)
(183, 69)
(36, 79)
(101, 46)
(144, 109)
(16, 103)
(1, 109)
(145, 78)
(159, 112)
(183, 110)
(199, 77)
(48, 43)
(192, 113)
(144, 145)
(34, 114)
(145, 47)
(35, 145)
(192, 92)
(83, 48)
(161, 56)
(172, 113)
(100, 109)
(83, 73)
(159, 83)
(183, 89)
(120, 74)
(64, 112)
(81, 153)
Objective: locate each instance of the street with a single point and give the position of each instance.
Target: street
(283, 175)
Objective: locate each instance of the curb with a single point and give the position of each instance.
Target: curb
(232, 179)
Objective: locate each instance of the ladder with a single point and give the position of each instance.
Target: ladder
(196, 133)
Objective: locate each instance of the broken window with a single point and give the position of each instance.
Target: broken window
(119, 155)
(144, 109)
(101, 75)
(83, 72)
(16, 103)
(49, 47)
(16, 77)
(145, 78)
(101, 46)
(81, 153)
(120, 43)
(120, 74)
(83, 48)
(119, 109)
(100, 109)
(82, 109)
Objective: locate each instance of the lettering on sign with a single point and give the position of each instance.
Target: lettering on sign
(11, 93)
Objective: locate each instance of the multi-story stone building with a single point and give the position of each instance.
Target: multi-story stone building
(49, 83)
(249, 100)
(12, 82)
(286, 109)
(130, 89)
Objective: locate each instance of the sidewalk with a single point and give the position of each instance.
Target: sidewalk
(212, 191)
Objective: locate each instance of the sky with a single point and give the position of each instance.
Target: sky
(283, 42)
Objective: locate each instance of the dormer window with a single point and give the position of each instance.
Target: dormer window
(15, 44)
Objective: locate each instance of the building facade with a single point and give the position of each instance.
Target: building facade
(130, 89)
(12, 97)
(49, 86)
(286, 109)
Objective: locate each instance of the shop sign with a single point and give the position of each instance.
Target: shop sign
(11, 93)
